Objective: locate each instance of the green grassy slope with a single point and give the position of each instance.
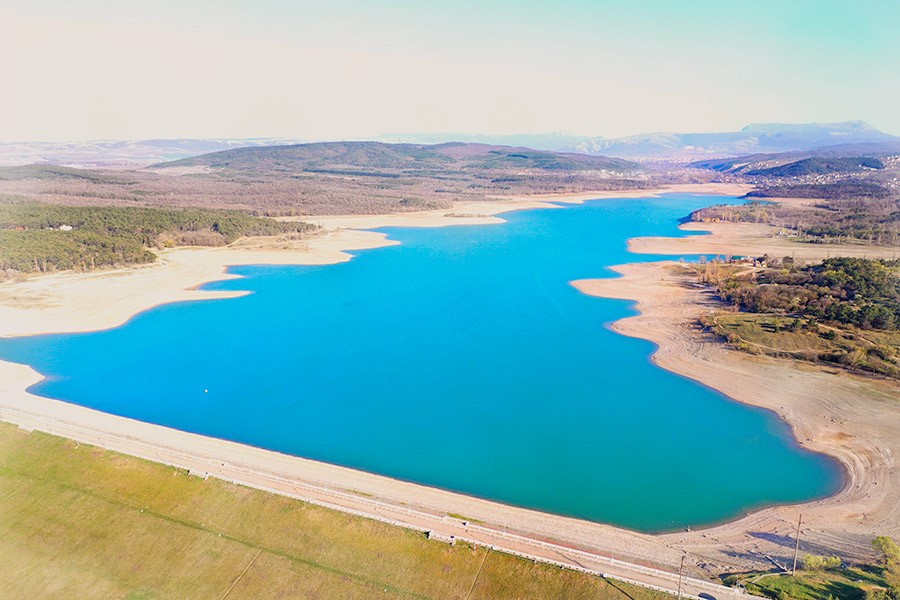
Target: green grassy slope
(80, 522)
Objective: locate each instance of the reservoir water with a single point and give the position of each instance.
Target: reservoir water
(461, 359)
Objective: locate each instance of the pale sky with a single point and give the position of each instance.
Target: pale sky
(83, 69)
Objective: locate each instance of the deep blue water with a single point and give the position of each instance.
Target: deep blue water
(461, 359)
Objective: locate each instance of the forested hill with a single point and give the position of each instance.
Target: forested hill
(778, 166)
(377, 158)
(853, 192)
(42, 237)
(844, 311)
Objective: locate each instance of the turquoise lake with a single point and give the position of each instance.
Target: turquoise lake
(461, 359)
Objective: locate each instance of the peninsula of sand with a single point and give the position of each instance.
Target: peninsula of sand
(852, 418)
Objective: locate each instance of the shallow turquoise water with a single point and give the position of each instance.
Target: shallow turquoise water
(461, 359)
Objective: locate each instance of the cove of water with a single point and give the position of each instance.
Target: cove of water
(461, 359)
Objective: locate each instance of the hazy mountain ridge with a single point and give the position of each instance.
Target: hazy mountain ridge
(553, 141)
(99, 153)
(752, 139)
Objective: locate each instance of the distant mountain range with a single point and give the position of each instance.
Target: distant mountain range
(120, 152)
(752, 139)
(851, 138)
(757, 138)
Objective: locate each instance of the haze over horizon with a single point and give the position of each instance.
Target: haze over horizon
(82, 70)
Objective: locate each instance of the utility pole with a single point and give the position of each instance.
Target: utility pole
(680, 576)
(797, 546)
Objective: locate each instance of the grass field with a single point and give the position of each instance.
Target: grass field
(77, 521)
(843, 584)
(865, 350)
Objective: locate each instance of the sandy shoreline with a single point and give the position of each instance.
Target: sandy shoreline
(749, 239)
(852, 418)
(84, 302)
(77, 302)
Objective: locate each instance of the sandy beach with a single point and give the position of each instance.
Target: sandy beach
(849, 417)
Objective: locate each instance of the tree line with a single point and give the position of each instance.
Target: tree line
(859, 213)
(37, 237)
(850, 291)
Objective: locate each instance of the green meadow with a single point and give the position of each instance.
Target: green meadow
(78, 521)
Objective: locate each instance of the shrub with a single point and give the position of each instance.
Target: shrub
(887, 547)
(815, 562)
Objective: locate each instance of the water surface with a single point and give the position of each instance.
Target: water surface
(461, 359)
